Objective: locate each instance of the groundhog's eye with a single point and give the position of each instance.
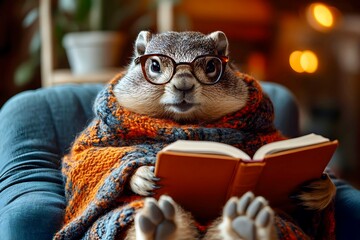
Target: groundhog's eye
(210, 68)
(155, 66)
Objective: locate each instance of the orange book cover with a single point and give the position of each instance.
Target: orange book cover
(202, 182)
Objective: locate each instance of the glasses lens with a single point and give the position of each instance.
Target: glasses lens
(208, 69)
(158, 69)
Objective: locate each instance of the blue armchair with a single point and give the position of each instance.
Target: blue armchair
(37, 129)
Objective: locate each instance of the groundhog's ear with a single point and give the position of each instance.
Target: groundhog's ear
(221, 42)
(141, 42)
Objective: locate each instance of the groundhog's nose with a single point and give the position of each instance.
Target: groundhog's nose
(184, 82)
(186, 88)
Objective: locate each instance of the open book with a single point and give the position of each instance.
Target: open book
(201, 176)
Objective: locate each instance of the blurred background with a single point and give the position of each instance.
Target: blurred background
(312, 48)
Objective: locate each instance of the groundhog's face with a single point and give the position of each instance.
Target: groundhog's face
(182, 76)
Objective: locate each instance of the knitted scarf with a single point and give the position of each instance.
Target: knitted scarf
(117, 142)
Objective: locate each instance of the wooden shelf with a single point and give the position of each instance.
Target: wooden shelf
(64, 76)
(49, 73)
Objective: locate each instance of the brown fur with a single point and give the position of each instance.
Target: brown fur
(319, 194)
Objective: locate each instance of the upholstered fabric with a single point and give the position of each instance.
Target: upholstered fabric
(347, 211)
(37, 129)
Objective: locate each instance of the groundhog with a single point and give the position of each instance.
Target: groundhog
(178, 86)
(186, 77)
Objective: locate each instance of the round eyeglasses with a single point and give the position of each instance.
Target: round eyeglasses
(158, 69)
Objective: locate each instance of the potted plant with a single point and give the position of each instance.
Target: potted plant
(94, 42)
(76, 18)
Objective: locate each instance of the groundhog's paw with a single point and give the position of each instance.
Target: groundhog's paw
(156, 220)
(318, 194)
(248, 218)
(143, 182)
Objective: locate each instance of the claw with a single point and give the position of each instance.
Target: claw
(155, 179)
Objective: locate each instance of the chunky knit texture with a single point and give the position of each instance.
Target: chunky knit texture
(117, 142)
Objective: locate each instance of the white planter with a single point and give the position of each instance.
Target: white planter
(90, 52)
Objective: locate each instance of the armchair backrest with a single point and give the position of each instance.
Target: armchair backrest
(286, 108)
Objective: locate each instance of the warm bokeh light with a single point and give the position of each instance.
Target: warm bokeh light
(303, 61)
(294, 61)
(323, 15)
(309, 61)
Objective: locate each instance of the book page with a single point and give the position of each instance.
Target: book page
(206, 147)
(288, 144)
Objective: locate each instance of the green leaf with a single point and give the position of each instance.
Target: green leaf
(83, 8)
(96, 15)
(35, 43)
(67, 6)
(24, 73)
(30, 17)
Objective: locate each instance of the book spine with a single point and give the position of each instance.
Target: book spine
(245, 178)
